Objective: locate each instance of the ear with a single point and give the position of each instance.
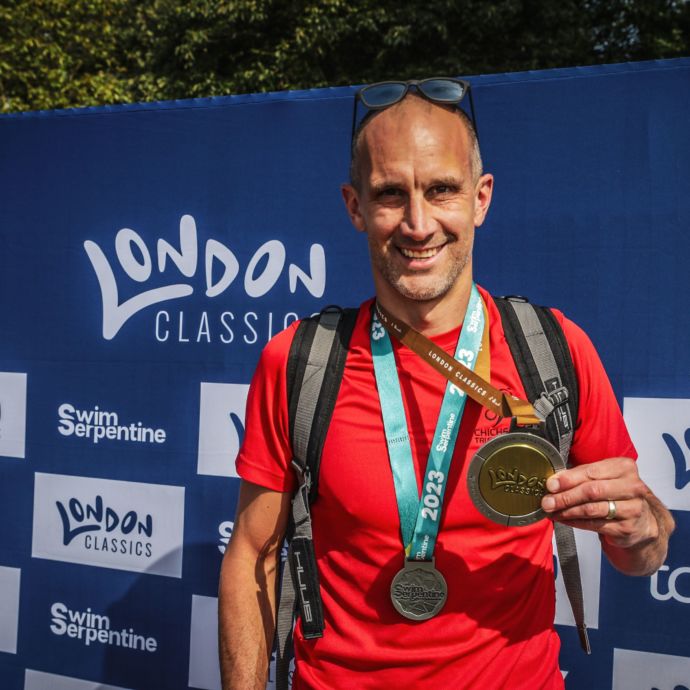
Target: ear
(351, 199)
(482, 198)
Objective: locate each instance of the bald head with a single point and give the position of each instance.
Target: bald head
(404, 114)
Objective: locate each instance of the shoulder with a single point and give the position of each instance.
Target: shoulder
(275, 353)
(578, 341)
(588, 366)
(585, 359)
(580, 344)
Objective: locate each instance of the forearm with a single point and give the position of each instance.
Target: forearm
(647, 556)
(246, 620)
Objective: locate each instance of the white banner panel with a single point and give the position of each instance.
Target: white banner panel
(221, 427)
(37, 680)
(12, 414)
(109, 523)
(9, 608)
(660, 430)
(204, 671)
(648, 671)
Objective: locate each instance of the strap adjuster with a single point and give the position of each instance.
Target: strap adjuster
(303, 473)
(546, 403)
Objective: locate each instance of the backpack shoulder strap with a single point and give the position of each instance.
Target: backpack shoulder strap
(314, 371)
(543, 360)
(542, 357)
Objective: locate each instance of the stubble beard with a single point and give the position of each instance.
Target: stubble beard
(419, 287)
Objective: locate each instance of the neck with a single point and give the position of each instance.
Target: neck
(429, 317)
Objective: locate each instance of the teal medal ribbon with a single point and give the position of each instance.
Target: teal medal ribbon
(420, 517)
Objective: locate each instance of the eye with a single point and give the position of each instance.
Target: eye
(390, 192)
(390, 196)
(442, 190)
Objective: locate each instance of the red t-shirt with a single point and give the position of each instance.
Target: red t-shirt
(496, 628)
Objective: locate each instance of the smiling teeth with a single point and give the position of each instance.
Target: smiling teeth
(420, 253)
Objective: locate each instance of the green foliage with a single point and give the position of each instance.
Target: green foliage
(60, 53)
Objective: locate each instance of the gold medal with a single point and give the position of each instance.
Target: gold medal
(507, 477)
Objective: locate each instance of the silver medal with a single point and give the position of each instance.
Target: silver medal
(419, 591)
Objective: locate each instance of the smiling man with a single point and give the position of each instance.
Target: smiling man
(419, 202)
(485, 592)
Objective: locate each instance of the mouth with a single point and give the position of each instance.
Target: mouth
(420, 254)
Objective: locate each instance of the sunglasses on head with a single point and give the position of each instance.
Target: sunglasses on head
(442, 90)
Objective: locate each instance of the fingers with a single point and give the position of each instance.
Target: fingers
(595, 493)
(632, 525)
(583, 496)
(611, 468)
(610, 479)
(630, 509)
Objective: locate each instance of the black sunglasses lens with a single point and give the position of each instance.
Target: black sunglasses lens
(442, 90)
(381, 95)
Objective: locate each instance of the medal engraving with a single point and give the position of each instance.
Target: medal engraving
(418, 591)
(507, 477)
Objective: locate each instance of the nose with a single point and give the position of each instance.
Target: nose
(418, 221)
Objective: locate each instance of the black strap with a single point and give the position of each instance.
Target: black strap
(297, 362)
(314, 371)
(526, 366)
(561, 352)
(533, 333)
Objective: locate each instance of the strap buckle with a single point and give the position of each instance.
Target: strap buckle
(303, 473)
(547, 402)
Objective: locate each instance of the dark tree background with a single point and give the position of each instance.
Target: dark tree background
(61, 53)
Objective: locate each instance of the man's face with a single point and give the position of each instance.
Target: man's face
(418, 202)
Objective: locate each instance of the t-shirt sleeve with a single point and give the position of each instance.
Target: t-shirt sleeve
(266, 454)
(600, 431)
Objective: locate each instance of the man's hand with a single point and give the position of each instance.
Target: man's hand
(580, 497)
(609, 497)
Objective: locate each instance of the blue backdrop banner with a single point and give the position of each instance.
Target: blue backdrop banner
(150, 251)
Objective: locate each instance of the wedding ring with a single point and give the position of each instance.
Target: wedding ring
(612, 510)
